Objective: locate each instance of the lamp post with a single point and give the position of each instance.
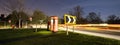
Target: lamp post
(19, 21)
(26, 23)
(9, 22)
(41, 21)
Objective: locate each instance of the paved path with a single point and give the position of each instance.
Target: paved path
(107, 34)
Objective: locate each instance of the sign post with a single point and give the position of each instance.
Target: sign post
(69, 20)
(67, 29)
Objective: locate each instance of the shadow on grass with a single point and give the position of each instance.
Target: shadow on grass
(48, 38)
(27, 37)
(11, 35)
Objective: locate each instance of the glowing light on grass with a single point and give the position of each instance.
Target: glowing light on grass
(44, 32)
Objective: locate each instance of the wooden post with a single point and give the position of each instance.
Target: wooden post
(73, 28)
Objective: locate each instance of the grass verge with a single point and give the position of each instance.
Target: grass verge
(44, 37)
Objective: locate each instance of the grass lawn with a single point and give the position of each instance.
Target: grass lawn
(43, 37)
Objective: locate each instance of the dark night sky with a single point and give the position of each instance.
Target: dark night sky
(60, 7)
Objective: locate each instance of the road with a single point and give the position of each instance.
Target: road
(106, 33)
(113, 34)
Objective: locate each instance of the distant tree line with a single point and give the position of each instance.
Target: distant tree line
(15, 16)
(17, 13)
(92, 17)
(113, 19)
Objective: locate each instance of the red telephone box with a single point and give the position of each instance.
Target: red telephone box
(54, 23)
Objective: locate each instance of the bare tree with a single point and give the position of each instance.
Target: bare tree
(78, 12)
(94, 18)
(11, 5)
